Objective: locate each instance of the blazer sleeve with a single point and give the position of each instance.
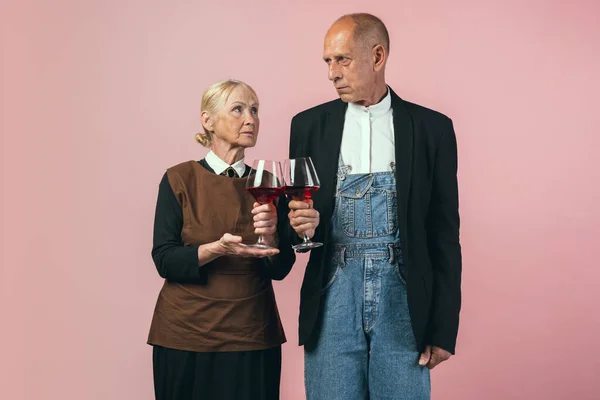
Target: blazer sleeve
(443, 225)
(287, 236)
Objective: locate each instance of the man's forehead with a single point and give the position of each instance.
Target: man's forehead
(338, 42)
(339, 35)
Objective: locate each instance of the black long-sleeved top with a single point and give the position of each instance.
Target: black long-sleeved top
(175, 261)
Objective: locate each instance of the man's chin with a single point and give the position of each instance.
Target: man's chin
(346, 98)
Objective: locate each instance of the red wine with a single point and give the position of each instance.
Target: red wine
(301, 192)
(264, 195)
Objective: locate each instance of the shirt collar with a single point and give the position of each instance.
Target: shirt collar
(375, 110)
(219, 165)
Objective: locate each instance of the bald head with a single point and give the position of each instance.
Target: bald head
(355, 50)
(369, 31)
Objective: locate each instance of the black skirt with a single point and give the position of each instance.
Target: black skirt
(237, 375)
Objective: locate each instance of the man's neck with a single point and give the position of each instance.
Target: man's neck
(377, 96)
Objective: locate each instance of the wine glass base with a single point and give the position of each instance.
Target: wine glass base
(307, 246)
(260, 246)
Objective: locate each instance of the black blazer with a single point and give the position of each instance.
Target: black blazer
(426, 167)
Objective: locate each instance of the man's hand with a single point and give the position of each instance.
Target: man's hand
(303, 217)
(432, 356)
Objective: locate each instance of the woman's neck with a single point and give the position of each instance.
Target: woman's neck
(227, 153)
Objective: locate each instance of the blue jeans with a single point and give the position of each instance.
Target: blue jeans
(365, 347)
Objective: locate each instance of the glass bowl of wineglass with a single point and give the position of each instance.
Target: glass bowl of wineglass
(265, 184)
(301, 183)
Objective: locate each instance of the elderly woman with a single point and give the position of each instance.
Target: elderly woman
(216, 330)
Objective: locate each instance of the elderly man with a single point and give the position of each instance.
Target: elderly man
(380, 300)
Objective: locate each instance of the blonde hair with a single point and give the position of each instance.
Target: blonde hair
(213, 99)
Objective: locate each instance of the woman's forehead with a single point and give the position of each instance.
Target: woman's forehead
(242, 95)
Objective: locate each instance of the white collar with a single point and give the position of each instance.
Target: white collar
(376, 109)
(219, 165)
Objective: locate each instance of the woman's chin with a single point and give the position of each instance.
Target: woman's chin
(247, 141)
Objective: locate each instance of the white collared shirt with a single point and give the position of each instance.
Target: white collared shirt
(219, 165)
(368, 137)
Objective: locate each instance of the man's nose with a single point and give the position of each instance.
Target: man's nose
(334, 72)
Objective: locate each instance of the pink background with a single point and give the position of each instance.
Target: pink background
(98, 98)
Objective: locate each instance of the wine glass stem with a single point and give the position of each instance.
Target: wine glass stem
(306, 238)
(261, 240)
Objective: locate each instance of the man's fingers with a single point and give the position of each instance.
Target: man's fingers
(304, 219)
(295, 222)
(433, 361)
(299, 205)
(304, 227)
(438, 355)
(425, 356)
(308, 212)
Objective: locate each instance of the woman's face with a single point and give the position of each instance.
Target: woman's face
(236, 122)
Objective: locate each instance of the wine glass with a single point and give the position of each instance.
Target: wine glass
(265, 184)
(301, 182)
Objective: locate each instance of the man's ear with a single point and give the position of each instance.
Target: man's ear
(379, 57)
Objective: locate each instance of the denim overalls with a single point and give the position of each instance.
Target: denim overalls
(366, 343)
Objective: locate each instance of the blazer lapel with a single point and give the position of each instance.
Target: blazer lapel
(404, 142)
(326, 162)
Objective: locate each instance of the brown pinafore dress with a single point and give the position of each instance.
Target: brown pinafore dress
(235, 309)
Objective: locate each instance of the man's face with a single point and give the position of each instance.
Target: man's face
(351, 66)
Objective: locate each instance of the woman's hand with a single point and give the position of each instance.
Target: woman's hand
(231, 245)
(265, 222)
